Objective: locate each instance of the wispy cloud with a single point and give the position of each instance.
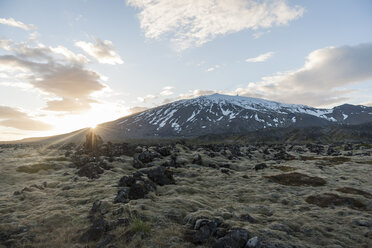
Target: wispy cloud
(260, 58)
(17, 24)
(103, 51)
(212, 68)
(193, 23)
(166, 91)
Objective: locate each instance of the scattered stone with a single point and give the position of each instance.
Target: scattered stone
(105, 241)
(96, 231)
(282, 155)
(260, 166)
(197, 159)
(92, 142)
(134, 187)
(164, 151)
(253, 243)
(235, 238)
(330, 199)
(160, 175)
(147, 156)
(138, 164)
(247, 217)
(90, 170)
(297, 179)
(226, 171)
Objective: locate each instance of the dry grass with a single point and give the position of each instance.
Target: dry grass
(57, 213)
(34, 168)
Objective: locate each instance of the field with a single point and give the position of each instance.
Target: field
(186, 195)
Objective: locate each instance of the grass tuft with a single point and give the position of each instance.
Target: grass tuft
(137, 225)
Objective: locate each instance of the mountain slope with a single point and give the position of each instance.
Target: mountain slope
(218, 114)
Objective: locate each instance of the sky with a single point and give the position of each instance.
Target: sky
(66, 65)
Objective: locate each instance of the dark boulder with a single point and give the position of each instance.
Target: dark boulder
(147, 156)
(197, 159)
(160, 175)
(96, 231)
(260, 166)
(93, 142)
(235, 238)
(164, 151)
(91, 170)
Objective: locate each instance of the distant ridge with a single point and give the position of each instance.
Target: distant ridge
(218, 114)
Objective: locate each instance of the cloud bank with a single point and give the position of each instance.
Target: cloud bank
(194, 22)
(319, 82)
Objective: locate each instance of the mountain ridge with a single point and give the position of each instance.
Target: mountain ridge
(236, 114)
(224, 114)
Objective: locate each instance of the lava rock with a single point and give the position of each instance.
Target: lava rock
(197, 159)
(90, 170)
(96, 231)
(253, 243)
(161, 176)
(147, 156)
(235, 238)
(260, 166)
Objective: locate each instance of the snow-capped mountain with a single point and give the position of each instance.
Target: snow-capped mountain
(216, 114)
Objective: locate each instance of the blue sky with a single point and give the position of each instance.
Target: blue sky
(138, 54)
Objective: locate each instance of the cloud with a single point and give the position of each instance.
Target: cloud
(212, 68)
(137, 109)
(55, 71)
(319, 82)
(146, 98)
(259, 34)
(13, 23)
(103, 51)
(260, 58)
(167, 91)
(193, 23)
(12, 117)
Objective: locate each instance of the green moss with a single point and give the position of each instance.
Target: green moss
(138, 225)
(34, 168)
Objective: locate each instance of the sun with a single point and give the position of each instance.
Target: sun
(93, 126)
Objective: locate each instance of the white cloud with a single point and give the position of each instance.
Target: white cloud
(167, 91)
(55, 71)
(103, 51)
(259, 34)
(146, 98)
(260, 58)
(212, 68)
(13, 23)
(194, 22)
(319, 82)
